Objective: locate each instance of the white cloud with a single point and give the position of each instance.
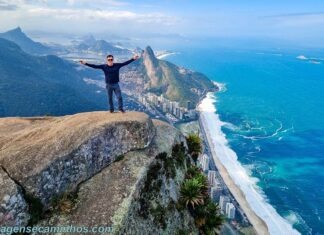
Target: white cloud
(99, 15)
(79, 20)
(26, 2)
(7, 6)
(98, 2)
(298, 19)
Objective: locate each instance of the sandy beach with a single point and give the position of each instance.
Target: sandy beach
(243, 187)
(164, 55)
(258, 224)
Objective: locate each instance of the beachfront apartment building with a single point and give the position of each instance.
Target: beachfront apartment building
(216, 192)
(212, 178)
(230, 210)
(223, 200)
(167, 106)
(203, 161)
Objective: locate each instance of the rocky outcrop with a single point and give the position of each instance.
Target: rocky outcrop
(13, 207)
(51, 155)
(124, 171)
(135, 195)
(152, 207)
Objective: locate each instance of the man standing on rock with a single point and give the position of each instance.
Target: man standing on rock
(111, 71)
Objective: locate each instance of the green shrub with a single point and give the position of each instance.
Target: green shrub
(202, 179)
(209, 214)
(194, 194)
(159, 213)
(179, 153)
(191, 193)
(194, 146)
(193, 171)
(64, 203)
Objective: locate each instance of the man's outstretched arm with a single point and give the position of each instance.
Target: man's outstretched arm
(95, 66)
(135, 57)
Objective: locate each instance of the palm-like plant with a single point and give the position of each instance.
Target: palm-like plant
(208, 218)
(191, 193)
(179, 153)
(194, 146)
(193, 171)
(202, 179)
(200, 216)
(200, 221)
(214, 220)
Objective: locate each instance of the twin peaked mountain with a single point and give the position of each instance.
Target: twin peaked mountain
(176, 83)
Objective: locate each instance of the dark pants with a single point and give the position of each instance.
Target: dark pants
(114, 88)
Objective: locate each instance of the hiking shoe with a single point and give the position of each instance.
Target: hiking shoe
(111, 111)
(122, 110)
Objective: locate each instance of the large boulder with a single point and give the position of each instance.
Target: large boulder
(134, 195)
(121, 172)
(48, 156)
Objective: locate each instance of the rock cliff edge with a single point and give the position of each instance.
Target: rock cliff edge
(123, 170)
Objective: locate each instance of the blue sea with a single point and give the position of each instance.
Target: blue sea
(273, 105)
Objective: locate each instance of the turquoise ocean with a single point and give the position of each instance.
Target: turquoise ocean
(272, 101)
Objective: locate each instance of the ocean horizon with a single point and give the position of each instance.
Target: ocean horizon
(269, 109)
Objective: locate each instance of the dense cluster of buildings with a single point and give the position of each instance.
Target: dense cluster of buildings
(171, 109)
(217, 188)
(227, 207)
(220, 194)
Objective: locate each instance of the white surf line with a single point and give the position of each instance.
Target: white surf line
(227, 158)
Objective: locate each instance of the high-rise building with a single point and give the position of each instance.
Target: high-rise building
(178, 112)
(156, 100)
(212, 178)
(174, 108)
(164, 105)
(181, 114)
(216, 192)
(230, 210)
(222, 202)
(204, 162)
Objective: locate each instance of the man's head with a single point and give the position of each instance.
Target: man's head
(110, 60)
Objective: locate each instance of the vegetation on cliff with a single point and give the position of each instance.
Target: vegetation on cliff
(194, 194)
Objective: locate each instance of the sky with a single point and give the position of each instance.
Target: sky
(300, 21)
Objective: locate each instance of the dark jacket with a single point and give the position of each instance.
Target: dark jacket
(111, 72)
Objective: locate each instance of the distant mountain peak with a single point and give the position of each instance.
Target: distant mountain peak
(149, 55)
(16, 31)
(89, 39)
(17, 36)
(176, 84)
(88, 36)
(149, 51)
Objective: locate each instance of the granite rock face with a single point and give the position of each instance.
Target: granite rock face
(136, 195)
(13, 207)
(49, 156)
(122, 168)
(152, 207)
